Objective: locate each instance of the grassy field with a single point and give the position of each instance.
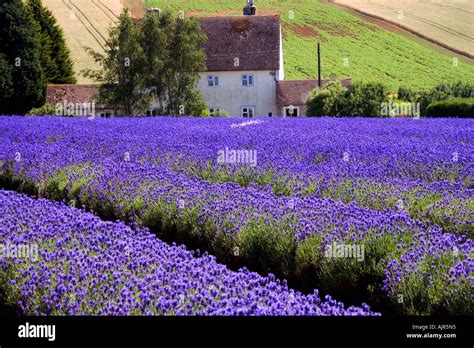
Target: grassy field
(351, 46)
(446, 22)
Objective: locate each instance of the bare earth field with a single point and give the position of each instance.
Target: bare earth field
(85, 24)
(447, 22)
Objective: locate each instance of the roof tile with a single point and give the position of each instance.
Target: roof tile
(254, 40)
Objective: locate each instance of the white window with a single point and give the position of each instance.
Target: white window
(214, 111)
(247, 80)
(247, 111)
(292, 111)
(212, 81)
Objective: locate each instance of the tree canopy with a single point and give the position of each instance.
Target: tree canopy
(157, 59)
(22, 82)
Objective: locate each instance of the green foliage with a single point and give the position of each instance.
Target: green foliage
(185, 59)
(273, 243)
(405, 94)
(45, 110)
(157, 59)
(453, 107)
(359, 99)
(55, 55)
(364, 99)
(121, 69)
(445, 91)
(221, 113)
(426, 291)
(326, 100)
(6, 83)
(23, 81)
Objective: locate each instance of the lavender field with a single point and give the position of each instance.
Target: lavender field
(327, 211)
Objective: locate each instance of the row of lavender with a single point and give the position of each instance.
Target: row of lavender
(85, 266)
(151, 171)
(424, 167)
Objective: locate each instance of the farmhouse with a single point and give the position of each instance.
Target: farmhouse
(244, 73)
(244, 68)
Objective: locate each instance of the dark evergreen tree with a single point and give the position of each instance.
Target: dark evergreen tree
(55, 55)
(6, 84)
(20, 48)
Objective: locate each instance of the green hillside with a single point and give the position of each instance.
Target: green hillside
(372, 53)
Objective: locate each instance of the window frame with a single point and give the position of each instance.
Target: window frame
(295, 108)
(212, 79)
(215, 108)
(248, 107)
(247, 78)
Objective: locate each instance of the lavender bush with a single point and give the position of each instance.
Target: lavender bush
(386, 185)
(86, 266)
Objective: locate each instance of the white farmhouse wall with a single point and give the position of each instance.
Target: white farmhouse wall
(230, 95)
(281, 72)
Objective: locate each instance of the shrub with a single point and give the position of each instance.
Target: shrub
(406, 94)
(364, 99)
(325, 100)
(443, 92)
(45, 110)
(221, 113)
(454, 107)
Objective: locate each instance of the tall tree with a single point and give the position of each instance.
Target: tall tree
(154, 42)
(121, 70)
(184, 62)
(167, 57)
(55, 55)
(20, 48)
(6, 83)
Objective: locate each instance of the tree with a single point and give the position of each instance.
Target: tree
(364, 99)
(154, 42)
(165, 57)
(325, 101)
(55, 55)
(20, 50)
(6, 83)
(122, 69)
(181, 70)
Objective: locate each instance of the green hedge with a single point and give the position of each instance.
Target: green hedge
(454, 107)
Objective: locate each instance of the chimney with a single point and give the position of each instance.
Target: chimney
(250, 9)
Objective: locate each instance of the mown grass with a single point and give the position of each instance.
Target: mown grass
(373, 54)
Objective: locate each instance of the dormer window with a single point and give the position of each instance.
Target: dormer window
(247, 80)
(212, 81)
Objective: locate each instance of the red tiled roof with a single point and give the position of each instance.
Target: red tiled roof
(297, 92)
(71, 93)
(254, 40)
